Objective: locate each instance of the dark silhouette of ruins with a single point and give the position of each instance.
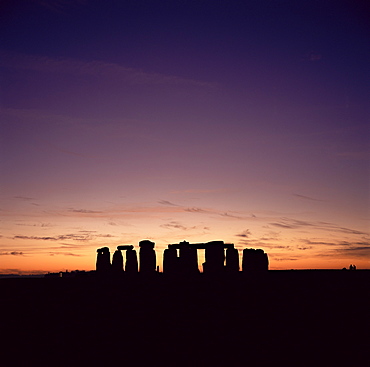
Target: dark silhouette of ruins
(236, 313)
(182, 259)
(254, 260)
(187, 261)
(104, 266)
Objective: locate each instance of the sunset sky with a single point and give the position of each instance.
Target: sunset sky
(197, 120)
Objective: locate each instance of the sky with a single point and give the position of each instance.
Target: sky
(197, 120)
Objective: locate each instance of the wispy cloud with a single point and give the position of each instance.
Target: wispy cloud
(64, 254)
(23, 198)
(65, 246)
(85, 211)
(271, 236)
(141, 209)
(304, 197)
(228, 215)
(176, 225)
(285, 258)
(350, 250)
(244, 234)
(288, 223)
(46, 238)
(349, 230)
(34, 225)
(339, 244)
(81, 236)
(195, 210)
(324, 243)
(283, 225)
(302, 248)
(13, 253)
(358, 248)
(198, 191)
(258, 242)
(291, 223)
(166, 202)
(95, 68)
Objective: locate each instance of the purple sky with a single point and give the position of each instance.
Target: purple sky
(199, 120)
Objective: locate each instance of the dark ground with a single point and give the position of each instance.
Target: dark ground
(300, 318)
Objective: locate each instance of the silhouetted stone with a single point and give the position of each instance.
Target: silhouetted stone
(266, 261)
(254, 260)
(103, 260)
(147, 257)
(117, 262)
(125, 247)
(131, 261)
(192, 260)
(215, 258)
(232, 259)
(184, 261)
(188, 258)
(170, 261)
(187, 262)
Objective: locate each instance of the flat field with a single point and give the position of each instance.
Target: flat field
(301, 318)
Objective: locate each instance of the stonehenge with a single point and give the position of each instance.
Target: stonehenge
(181, 259)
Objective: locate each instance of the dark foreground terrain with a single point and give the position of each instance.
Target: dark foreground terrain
(300, 318)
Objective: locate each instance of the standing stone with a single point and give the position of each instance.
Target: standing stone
(131, 261)
(170, 260)
(117, 262)
(215, 257)
(254, 260)
(232, 260)
(103, 265)
(147, 256)
(188, 258)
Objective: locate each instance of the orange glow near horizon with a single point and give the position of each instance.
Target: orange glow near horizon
(67, 239)
(226, 128)
(44, 263)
